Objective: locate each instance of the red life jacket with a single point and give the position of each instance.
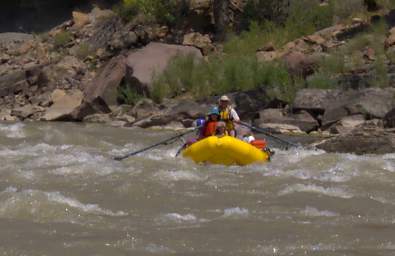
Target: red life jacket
(209, 128)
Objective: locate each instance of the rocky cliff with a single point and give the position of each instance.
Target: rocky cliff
(97, 67)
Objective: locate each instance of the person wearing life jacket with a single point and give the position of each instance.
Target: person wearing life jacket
(228, 115)
(210, 124)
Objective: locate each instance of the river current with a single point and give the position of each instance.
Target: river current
(62, 194)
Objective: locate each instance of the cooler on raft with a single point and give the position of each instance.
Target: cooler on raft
(225, 150)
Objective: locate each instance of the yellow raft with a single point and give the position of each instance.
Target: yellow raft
(226, 150)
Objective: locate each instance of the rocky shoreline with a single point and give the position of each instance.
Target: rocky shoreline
(75, 71)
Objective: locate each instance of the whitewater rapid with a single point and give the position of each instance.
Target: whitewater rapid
(61, 193)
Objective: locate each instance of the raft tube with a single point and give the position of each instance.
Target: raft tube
(225, 150)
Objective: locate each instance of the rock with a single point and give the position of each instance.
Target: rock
(389, 119)
(299, 64)
(80, 19)
(343, 32)
(12, 37)
(5, 115)
(105, 85)
(200, 41)
(333, 114)
(42, 99)
(390, 41)
(303, 120)
(347, 124)
(8, 81)
(195, 5)
(266, 56)
(97, 14)
(315, 39)
(26, 111)
(25, 47)
(153, 59)
(103, 32)
(156, 120)
(144, 108)
(360, 141)
(187, 109)
(65, 104)
(249, 102)
(97, 118)
(282, 128)
(126, 118)
(370, 102)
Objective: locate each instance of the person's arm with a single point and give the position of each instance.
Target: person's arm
(234, 115)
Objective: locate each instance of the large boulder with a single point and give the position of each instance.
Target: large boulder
(315, 100)
(347, 124)
(65, 105)
(336, 104)
(153, 59)
(370, 102)
(105, 85)
(303, 120)
(299, 64)
(249, 102)
(187, 109)
(361, 141)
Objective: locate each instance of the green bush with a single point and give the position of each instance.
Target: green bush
(345, 9)
(83, 51)
(262, 11)
(127, 94)
(217, 76)
(161, 11)
(322, 80)
(380, 73)
(62, 39)
(303, 17)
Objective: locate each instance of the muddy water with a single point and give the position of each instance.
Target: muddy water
(61, 194)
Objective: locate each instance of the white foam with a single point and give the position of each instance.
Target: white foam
(296, 154)
(334, 174)
(14, 131)
(313, 212)
(236, 212)
(34, 199)
(88, 208)
(29, 150)
(330, 191)
(177, 218)
(158, 249)
(178, 176)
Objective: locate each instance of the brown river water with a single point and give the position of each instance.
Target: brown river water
(62, 194)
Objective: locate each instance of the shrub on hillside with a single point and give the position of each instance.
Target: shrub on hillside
(303, 17)
(217, 76)
(62, 39)
(161, 11)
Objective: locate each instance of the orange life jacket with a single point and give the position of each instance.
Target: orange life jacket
(209, 128)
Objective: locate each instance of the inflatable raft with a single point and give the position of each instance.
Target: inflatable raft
(225, 150)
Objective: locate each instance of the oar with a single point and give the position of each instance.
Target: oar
(119, 158)
(269, 134)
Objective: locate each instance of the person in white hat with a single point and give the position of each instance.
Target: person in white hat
(228, 115)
